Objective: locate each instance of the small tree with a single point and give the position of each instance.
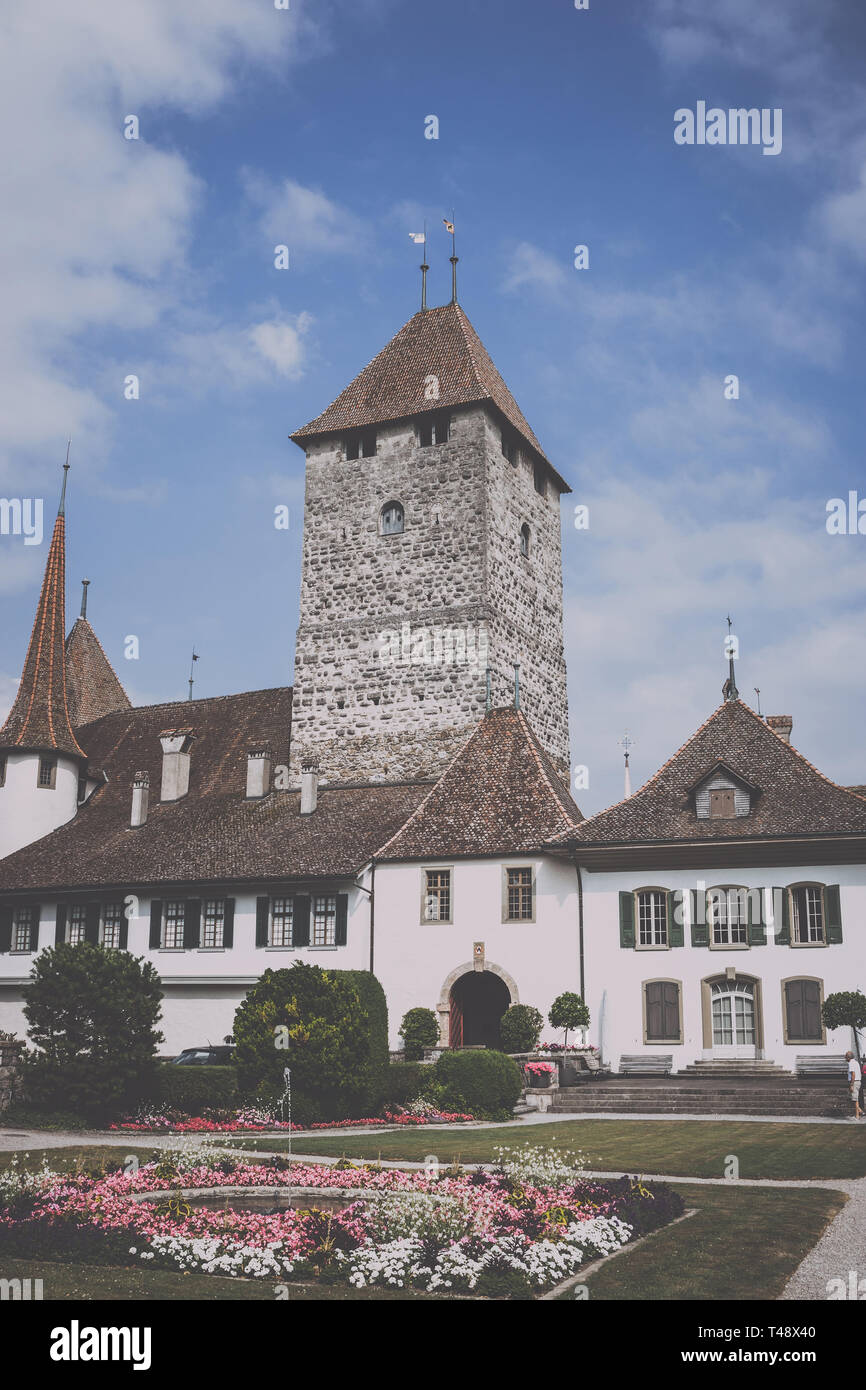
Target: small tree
(419, 1030)
(520, 1028)
(847, 1009)
(92, 1014)
(568, 1011)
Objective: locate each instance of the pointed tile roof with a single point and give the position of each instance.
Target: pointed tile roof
(92, 687)
(39, 719)
(792, 798)
(439, 342)
(500, 795)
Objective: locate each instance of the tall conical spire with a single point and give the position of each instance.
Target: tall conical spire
(39, 719)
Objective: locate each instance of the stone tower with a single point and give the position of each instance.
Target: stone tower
(431, 554)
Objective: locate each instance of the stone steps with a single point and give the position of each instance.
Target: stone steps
(693, 1099)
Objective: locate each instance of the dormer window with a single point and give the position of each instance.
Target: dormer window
(391, 519)
(361, 444)
(722, 795)
(722, 803)
(434, 429)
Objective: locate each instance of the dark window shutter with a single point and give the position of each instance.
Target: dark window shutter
(626, 920)
(263, 908)
(676, 901)
(341, 931)
(91, 923)
(5, 928)
(783, 932)
(155, 924)
(833, 915)
(229, 923)
(60, 927)
(794, 1008)
(757, 934)
(671, 1021)
(192, 924)
(812, 1020)
(301, 922)
(34, 930)
(654, 1010)
(123, 936)
(700, 929)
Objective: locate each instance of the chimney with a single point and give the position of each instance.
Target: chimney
(176, 744)
(140, 798)
(309, 786)
(781, 724)
(258, 771)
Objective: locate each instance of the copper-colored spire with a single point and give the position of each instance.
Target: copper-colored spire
(39, 720)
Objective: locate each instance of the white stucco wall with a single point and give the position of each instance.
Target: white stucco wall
(28, 811)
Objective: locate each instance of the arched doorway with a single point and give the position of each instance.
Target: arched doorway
(733, 1023)
(478, 1000)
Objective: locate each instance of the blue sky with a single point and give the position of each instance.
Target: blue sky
(155, 257)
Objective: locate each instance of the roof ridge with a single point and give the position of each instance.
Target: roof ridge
(531, 739)
(797, 754)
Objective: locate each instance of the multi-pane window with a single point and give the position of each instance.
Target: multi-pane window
(728, 911)
(434, 430)
(109, 927)
(437, 895)
(172, 927)
(807, 913)
(519, 885)
(282, 915)
(392, 519)
(76, 927)
(324, 921)
(213, 913)
(361, 445)
(652, 917)
(22, 928)
(47, 770)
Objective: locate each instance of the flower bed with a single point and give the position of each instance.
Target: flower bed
(518, 1229)
(253, 1122)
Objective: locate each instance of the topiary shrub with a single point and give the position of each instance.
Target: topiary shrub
(92, 1014)
(194, 1089)
(484, 1084)
(520, 1028)
(315, 1022)
(372, 997)
(568, 1011)
(419, 1030)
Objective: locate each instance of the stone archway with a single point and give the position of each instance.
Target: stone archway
(472, 967)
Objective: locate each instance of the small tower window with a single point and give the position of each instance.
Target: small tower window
(391, 519)
(509, 447)
(47, 772)
(434, 429)
(540, 480)
(361, 444)
(524, 541)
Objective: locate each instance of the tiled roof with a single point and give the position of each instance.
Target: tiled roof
(39, 720)
(92, 688)
(501, 795)
(794, 798)
(213, 833)
(437, 342)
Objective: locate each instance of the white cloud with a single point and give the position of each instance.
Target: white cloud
(842, 217)
(304, 219)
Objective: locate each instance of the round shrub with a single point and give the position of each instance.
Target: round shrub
(520, 1028)
(484, 1084)
(406, 1081)
(568, 1011)
(419, 1030)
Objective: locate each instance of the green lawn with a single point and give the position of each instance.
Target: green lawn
(88, 1158)
(690, 1148)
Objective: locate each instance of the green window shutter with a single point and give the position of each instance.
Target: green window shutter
(123, 935)
(60, 924)
(263, 911)
(91, 924)
(700, 930)
(34, 930)
(783, 932)
(229, 923)
(5, 928)
(757, 933)
(192, 924)
(833, 915)
(301, 921)
(155, 940)
(675, 928)
(626, 920)
(341, 930)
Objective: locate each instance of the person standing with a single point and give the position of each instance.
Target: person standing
(854, 1083)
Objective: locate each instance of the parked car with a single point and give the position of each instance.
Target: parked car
(204, 1056)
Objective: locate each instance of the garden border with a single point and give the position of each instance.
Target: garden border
(582, 1275)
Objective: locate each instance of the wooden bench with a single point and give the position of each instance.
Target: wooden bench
(821, 1066)
(659, 1065)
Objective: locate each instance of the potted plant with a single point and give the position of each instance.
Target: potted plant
(568, 1012)
(539, 1074)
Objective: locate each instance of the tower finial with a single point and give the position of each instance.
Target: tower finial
(453, 257)
(191, 678)
(729, 689)
(626, 744)
(84, 584)
(424, 268)
(516, 665)
(61, 510)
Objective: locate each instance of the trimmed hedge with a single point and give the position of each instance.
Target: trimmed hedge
(484, 1084)
(372, 997)
(193, 1089)
(407, 1081)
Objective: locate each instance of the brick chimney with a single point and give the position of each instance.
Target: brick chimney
(176, 744)
(781, 724)
(140, 798)
(258, 771)
(309, 786)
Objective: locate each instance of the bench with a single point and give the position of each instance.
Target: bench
(659, 1065)
(821, 1066)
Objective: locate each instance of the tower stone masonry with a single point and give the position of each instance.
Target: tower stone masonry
(425, 563)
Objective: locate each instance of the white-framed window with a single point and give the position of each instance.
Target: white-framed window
(213, 914)
(76, 927)
(652, 917)
(282, 917)
(728, 915)
(519, 906)
(437, 895)
(22, 928)
(110, 920)
(324, 921)
(172, 925)
(47, 772)
(807, 914)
